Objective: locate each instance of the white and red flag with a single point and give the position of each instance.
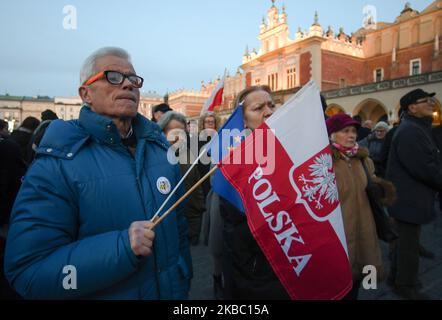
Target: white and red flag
(291, 199)
(216, 98)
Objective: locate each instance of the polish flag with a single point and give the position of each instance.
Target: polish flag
(291, 199)
(216, 98)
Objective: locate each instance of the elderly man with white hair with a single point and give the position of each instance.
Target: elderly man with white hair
(80, 227)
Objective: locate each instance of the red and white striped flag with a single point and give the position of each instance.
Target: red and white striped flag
(216, 98)
(292, 204)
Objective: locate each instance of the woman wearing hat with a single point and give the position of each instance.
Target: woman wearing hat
(351, 179)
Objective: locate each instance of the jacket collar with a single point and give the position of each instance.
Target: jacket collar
(423, 122)
(105, 131)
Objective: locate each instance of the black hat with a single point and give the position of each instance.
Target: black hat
(413, 96)
(163, 107)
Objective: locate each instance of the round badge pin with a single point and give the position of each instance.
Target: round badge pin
(163, 185)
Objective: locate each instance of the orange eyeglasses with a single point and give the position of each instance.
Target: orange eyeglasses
(116, 78)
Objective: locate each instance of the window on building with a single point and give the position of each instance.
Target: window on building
(379, 75)
(291, 78)
(415, 67)
(257, 82)
(342, 83)
(273, 81)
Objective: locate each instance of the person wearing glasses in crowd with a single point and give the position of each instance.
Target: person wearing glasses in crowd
(415, 168)
(80, 227)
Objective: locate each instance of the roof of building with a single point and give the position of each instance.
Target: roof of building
(436, 5)
(25, 98)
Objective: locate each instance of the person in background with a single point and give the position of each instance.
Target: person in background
(174, 126)
(415, 168)
(373, 143)
(437, 134)
(384, 156)
(12, 170)
(4, 132)
(324, 106)
(362, 131)
(385, 150)
(22, 135)
(351, 179)
(46, 117)
(368, 124)
(159, 110)
(209, 123)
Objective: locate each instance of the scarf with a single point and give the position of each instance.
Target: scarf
(347, 152)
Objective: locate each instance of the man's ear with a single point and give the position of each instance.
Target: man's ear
(85, 95)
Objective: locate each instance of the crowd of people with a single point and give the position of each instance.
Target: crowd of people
(84, 193)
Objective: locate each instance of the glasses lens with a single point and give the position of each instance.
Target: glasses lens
(136, 81)
(114, 77)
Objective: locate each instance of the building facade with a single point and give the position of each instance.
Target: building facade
(365, 73)
(14, 109)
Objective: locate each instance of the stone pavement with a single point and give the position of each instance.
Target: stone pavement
(430, 270)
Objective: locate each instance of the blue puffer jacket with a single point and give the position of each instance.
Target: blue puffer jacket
(75, 206)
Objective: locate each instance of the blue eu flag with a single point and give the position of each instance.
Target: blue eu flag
(220, 147)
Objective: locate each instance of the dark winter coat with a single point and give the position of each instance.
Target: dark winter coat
(374, 146)
(385, 150)
(248, 275)
(416, 170)
(22, 136)
(12, 169)
(437, 135)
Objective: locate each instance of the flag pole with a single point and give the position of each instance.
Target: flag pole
(184, 197)
(179, 183)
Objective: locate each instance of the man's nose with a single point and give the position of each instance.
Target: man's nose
(127, 85)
